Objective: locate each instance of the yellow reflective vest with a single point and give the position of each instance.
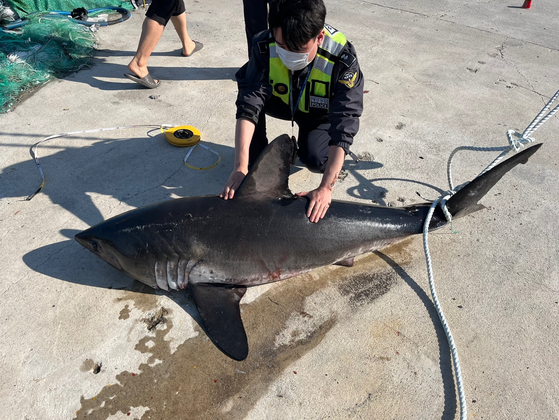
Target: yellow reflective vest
(318, 89)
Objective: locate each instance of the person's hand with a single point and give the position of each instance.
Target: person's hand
(232, 184)
(319, 202)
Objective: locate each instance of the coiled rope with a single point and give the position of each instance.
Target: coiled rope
(516, 142)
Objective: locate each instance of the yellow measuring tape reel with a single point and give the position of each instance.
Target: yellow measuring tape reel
(188, 136)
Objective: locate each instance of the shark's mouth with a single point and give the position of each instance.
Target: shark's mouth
(114, 262)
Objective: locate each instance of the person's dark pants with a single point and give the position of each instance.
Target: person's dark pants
(312, 142)
(256, 18)
(162, 10)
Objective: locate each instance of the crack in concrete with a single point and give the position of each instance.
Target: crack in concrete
(13, 284)
(440, 18)
(36, 268)
(501, 49)
(160, 185)
(383, 6)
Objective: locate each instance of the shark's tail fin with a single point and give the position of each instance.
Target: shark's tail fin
(465, 201)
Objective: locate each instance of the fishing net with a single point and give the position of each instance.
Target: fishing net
(26, 7)
(43, 45)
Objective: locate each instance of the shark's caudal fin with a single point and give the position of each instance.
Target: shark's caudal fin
(269, 175)
(465, 201)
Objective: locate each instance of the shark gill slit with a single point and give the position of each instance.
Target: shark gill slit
(182, 279)
(172, 273)
(161, 274)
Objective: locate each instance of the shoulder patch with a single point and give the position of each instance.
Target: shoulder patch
(347, 58)
(348, 79)
(263, 47)
(330, 29)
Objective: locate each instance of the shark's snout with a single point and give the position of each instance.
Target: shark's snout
(82, 239)
(96, 246)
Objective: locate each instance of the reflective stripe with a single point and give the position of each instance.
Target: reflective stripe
(323, 65)
(278, 74)
(333, 47)
(273, 52)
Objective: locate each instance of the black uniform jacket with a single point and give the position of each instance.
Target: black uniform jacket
(346, 102)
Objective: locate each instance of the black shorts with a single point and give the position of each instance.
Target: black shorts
(162, 10)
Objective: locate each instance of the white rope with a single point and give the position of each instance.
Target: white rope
(539, 120)
(35, 155)
(453, 350)
(516, 142)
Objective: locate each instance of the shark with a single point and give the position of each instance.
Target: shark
(217, 248)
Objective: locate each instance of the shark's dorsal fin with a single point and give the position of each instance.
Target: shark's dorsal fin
(269, 175)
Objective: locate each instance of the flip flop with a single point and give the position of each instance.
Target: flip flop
(198, 47)
(146, 81)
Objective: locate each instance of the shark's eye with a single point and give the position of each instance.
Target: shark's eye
(94, 246)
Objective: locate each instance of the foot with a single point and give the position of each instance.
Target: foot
(146, 81)
(139, 71)
(191, 47)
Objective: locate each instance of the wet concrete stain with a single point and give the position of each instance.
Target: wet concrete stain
(125, 313)
(198, 382)
(363, 288)
(142, 296)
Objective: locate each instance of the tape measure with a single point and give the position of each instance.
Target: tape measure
(188, 136)
(183, 136)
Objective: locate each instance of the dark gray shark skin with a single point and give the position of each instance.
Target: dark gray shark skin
(217, 248)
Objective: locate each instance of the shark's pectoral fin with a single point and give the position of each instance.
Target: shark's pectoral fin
(218, 306)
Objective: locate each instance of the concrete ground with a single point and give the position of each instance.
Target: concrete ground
(339, 343)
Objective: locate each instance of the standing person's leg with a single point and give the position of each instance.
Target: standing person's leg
(256, 18)
(151, 34)
(157, 17)
(313, 145)
(188, 45)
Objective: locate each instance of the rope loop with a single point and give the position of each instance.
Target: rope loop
(517, 140)
(442, 203)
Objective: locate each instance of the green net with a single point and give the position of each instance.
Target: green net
(46, 48)
(43, 46)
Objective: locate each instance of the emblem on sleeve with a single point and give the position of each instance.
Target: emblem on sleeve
(347, 58)
(348, 79)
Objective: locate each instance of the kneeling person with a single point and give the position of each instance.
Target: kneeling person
(306, 71)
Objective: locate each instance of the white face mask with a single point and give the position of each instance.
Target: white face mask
(293, 60)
